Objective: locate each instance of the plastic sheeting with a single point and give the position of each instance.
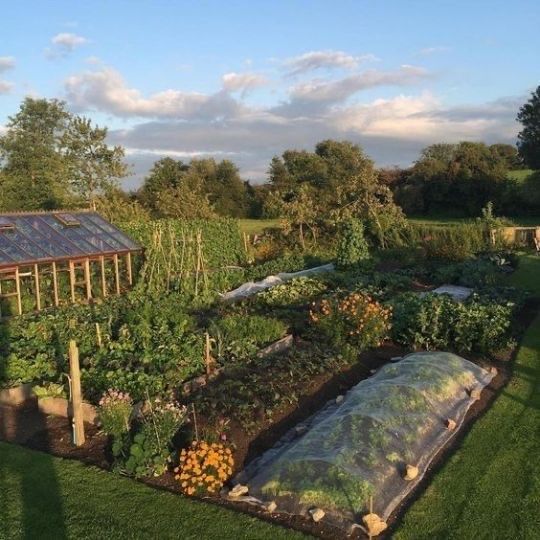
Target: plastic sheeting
(253, 287)
(359, 447)
(459, 294)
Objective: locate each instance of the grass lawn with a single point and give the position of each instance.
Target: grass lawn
(50, 498)
(490, 488)
(256, 226)
(442, 221)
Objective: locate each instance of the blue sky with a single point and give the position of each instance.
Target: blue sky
(245, 80)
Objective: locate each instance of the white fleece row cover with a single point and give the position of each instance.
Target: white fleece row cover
(253, 287)
(359, 447)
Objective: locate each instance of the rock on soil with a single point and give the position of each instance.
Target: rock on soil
(374, 524)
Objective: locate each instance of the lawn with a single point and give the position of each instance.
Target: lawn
(490, 488)
(443, 221)
(256, 226)
(45, 497)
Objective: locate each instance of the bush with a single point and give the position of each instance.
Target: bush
(454, 242)
(298, 291)
(204, 468)
(437, 321)
(352, 247)
(356, 319)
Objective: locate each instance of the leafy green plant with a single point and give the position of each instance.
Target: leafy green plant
(352, 247)
(49, 390)
(298, 291)
(150, 450)
(437, 321)
(239, 336)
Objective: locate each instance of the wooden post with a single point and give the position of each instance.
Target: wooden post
(103, 280)
(87, 280)
(55, 284)
(38, 291)
(207, 356)
(98, 335)
(129, 271)
(18, 290)
(116, 273)
(72, 280)
(76, 394)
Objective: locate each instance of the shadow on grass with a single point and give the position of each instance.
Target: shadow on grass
(30, 497)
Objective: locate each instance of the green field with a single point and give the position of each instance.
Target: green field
(490, 488)
(50, 498)
(256, 226)
(521, 175)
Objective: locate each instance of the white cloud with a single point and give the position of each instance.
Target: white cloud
(64, 44)
(243, 82)
(187, 125)
(6, 62)
(6, 87)
(426, 51)
(314, 60)
(317, 95)
(105, 90)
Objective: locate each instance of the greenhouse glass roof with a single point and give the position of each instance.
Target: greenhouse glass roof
(30, 238)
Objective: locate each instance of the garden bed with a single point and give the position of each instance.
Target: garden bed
(55, 435)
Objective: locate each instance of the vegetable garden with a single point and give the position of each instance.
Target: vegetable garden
(187, 395)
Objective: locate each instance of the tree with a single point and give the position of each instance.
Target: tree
(94, 167)
(529, 136)
(336, 182)
(34, 169)
(166, 173)
(508, 154)
(50, 158)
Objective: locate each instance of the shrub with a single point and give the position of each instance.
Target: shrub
(352, 247)
(204, 468)
(356, 319)
(298, 291)
(437, 321)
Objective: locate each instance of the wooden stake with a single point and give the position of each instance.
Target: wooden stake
(195, 427)
(55, 284)
(37, 289)
(18, 290)
(72, 280)
(76, 394)
(98, 335)
(116, 273)
(207, 356)
(103, 280)
(129, 271)
(87, 279)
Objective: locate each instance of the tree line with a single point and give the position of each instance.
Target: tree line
(51, 158)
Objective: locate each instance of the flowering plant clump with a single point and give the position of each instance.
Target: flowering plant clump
(150, 450)
(115, 411)
(204, 468)
(357, 319)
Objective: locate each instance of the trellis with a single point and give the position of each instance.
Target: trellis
(41, 245)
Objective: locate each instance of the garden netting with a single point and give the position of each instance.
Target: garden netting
(253, 287)
(358, 447)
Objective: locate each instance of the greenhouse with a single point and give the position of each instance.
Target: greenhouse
(51, 258)
(364, 452)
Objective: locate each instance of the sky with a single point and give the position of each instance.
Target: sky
(245, 80)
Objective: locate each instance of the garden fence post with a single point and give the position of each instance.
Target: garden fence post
(76, 394)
